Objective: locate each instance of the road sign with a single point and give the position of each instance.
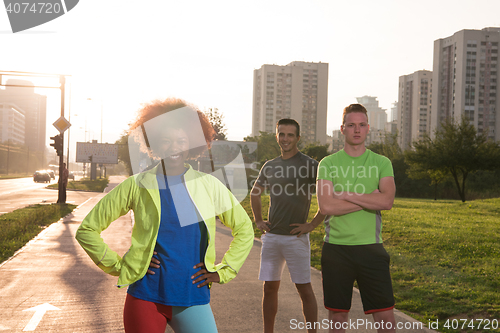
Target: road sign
(61, 124)
(102, 153)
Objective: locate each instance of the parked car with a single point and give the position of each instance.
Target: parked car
(41, 176)
(71, 175)
(51, 173)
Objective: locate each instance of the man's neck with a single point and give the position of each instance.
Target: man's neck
(354, 151)
(288, 154)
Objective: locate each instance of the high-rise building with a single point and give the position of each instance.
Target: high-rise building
(465, 80)
(338, 141)
(394, 111)
(34, 107)
(377, 117)
(414, 107)
(391, 127)
(12, 123)
(298, 90)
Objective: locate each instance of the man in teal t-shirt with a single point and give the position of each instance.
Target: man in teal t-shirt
(354, 185)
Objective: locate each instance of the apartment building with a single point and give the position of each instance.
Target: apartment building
(34, 107)
(298, 90)
(12, 124)
(377, 117)
(414, 107)
(465, 80)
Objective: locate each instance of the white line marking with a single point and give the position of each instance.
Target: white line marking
(37, 317)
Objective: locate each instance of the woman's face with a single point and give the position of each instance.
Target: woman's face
(174, 148)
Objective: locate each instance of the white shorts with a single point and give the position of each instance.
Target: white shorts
(276, 249)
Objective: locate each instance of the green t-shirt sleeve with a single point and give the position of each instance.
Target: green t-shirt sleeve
(386, 169)
(323, 168)
(314, 172)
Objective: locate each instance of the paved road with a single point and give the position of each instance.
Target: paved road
(53, 269)
(21, 192)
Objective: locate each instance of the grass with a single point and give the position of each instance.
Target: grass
(13, 176)
(85, 184)
(445, 257)
(21, 225)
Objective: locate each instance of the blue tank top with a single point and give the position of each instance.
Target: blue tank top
(180, 246)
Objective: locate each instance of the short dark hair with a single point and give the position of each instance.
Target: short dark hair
(354, 108)
(288, 121)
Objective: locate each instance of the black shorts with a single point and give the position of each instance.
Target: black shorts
(368, 265)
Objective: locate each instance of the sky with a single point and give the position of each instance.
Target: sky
(120, 54)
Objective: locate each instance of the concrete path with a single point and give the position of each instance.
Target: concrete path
(54, 269)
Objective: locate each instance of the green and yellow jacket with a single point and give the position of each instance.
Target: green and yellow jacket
(140, 193)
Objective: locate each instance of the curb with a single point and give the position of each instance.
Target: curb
(41, 233)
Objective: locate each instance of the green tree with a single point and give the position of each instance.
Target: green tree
(267, 147)
(436, 176)
(316, 151)
(123, 154)
(216, 118)
(389, 147)
(405, 187)
(458, 150)
(402, 171)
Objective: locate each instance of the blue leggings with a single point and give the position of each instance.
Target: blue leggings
(141, 316)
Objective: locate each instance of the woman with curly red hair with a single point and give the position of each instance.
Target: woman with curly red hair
(170, 265)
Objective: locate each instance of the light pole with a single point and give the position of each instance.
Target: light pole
(90, 99)
(62, 86)
(100, 100)
(69, 120)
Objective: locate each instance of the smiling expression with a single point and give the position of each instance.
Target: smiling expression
(174, 147)
(287, 138)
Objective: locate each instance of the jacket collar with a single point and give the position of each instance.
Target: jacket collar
(147, 179)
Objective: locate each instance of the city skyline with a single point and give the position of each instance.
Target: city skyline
(120, 56)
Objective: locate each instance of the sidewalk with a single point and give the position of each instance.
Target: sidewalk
(237, 306)
(60, 273)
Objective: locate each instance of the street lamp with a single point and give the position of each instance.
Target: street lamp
(100, 167)
(90, 99)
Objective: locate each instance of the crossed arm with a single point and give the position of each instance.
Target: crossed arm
(341, 203)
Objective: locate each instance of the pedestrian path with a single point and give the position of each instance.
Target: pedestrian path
(61, 274)
(237, 305)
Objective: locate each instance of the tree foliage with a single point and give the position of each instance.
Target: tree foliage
(316, 151)
(123, 154)
(458, 150)
(267, 147)
(405, 187)
(216, 118)
(389, 147)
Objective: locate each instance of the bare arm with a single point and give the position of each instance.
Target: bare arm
(304, 228)
(329, 204)
(256, 204)
(378, 200)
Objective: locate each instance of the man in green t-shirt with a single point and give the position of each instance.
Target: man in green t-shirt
(353, 186)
